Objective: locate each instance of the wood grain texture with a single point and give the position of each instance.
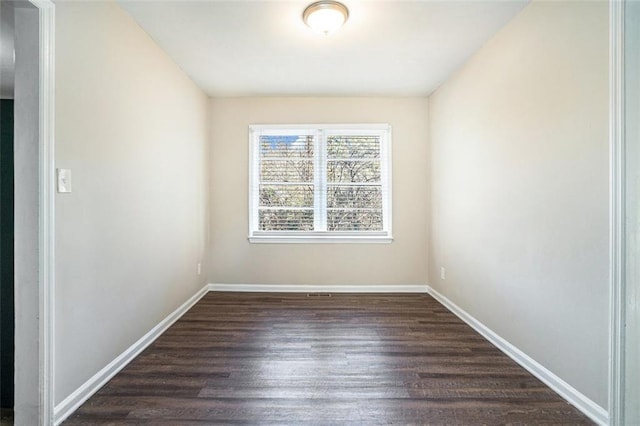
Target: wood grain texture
(267, 358)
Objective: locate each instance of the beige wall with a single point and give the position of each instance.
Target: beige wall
(234, 260)
(519, 182)
(133, 130)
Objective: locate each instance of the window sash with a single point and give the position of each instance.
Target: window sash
(321, 183)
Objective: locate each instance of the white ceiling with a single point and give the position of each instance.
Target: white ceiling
(244, 47)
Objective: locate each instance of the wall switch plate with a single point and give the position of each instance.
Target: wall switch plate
(443, 273)
(64, 180)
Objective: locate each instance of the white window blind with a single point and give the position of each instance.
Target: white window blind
(320, 183)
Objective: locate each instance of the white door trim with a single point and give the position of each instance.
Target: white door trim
(616, 212)
(46, 9)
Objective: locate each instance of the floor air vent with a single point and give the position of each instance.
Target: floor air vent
(318, 294)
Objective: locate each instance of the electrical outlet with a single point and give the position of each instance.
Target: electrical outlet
(443, 273)
(199, 268)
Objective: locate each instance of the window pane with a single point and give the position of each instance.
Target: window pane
(353, 146)
(285, 220)
(354, 197)
(286, 171)
(285, 158)
(286, 196)
(286, 146)
(353, 159)
(350, 220)
(353, 171)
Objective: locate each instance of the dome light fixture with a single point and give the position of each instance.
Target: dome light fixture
(325, 16)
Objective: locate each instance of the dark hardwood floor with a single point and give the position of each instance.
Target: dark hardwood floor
(250, 358)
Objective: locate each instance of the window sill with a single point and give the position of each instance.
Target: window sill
(320, 239)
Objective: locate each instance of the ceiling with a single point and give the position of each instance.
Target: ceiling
(387, 48)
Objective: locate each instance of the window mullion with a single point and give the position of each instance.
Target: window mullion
(321, 210)
(317, 182)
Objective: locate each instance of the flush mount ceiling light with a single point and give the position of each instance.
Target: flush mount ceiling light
(325, 16)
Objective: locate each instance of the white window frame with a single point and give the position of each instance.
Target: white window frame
(320, 132)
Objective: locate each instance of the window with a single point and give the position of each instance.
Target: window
(320, 183)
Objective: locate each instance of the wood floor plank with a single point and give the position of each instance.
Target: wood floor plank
(252, 358)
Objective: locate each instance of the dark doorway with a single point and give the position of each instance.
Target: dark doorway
(6, 258)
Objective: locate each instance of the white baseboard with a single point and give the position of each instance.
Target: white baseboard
(91, 386)
(295, 288)
(565, 390)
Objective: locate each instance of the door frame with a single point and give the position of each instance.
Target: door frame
(46, 201)
(616, 218)
(618, 212)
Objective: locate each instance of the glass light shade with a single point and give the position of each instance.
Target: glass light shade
(325, 17)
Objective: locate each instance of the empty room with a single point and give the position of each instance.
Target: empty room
(288, 212)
